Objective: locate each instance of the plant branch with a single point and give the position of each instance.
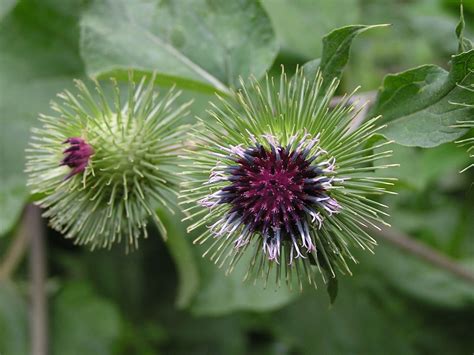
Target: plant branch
(14, 253)
(423, 252)
(39, 306)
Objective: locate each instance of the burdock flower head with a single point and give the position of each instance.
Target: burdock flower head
(280, 174)
(102, 169)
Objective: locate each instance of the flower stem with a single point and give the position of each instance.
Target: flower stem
(38, 299)
(423, 252)
(14, 254)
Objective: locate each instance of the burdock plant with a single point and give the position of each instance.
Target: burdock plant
(103, 168)
(277, 172)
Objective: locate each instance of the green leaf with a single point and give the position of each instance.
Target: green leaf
(426, 163)
(423, 281)
(367, 311)
(206, 335)
(355, 325)
(178, 244)
(6, 6)
(332, 289)
(464, 43)
(14, 337)
(191, 43)
(299, 24)
(13, 194)
(38, 58)
(335, 55)
(83, 323)
(416, 105)
(330, 279)
(336, 48)
(311, 68)
(221, 294)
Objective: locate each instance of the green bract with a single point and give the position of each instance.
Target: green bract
(466, 124)
(106, 185)
(282, 175)
(469, 141)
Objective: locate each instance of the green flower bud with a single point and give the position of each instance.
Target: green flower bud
(103, 168)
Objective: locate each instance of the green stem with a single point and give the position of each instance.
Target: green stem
(423, 252)
(38, 299)
(14, 253)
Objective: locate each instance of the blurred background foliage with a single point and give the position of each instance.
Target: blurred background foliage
(165, 298)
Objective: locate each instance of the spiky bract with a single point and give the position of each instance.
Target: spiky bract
(467, 142)
(106, 194)
(280, 174)
(466, 124)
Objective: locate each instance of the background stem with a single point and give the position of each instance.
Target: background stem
(15, 252)
(38, 299)
(423, 252)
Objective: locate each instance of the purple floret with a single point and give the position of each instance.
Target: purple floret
(76, 156)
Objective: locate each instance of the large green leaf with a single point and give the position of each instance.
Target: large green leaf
(336, 49)
(204, 335)
(425, 163)
(417, 104)
(367, 313)
(83, 323)
(6, 6)
(38, 57)
(299, 24)
(335, 54)
(354, 325)
(12, 197)
(423, 281)
(221, 294)
(464, 44)
(191, 42)
(13, 321)
(179, 245)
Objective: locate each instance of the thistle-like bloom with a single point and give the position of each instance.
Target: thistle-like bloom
(281, 175)
(117, 166)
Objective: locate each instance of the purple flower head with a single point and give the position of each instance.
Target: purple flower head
(76, 156)
(286, 180)
(275, 192)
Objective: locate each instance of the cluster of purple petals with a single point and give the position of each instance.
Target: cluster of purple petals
(76, 156)
(277, 193)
